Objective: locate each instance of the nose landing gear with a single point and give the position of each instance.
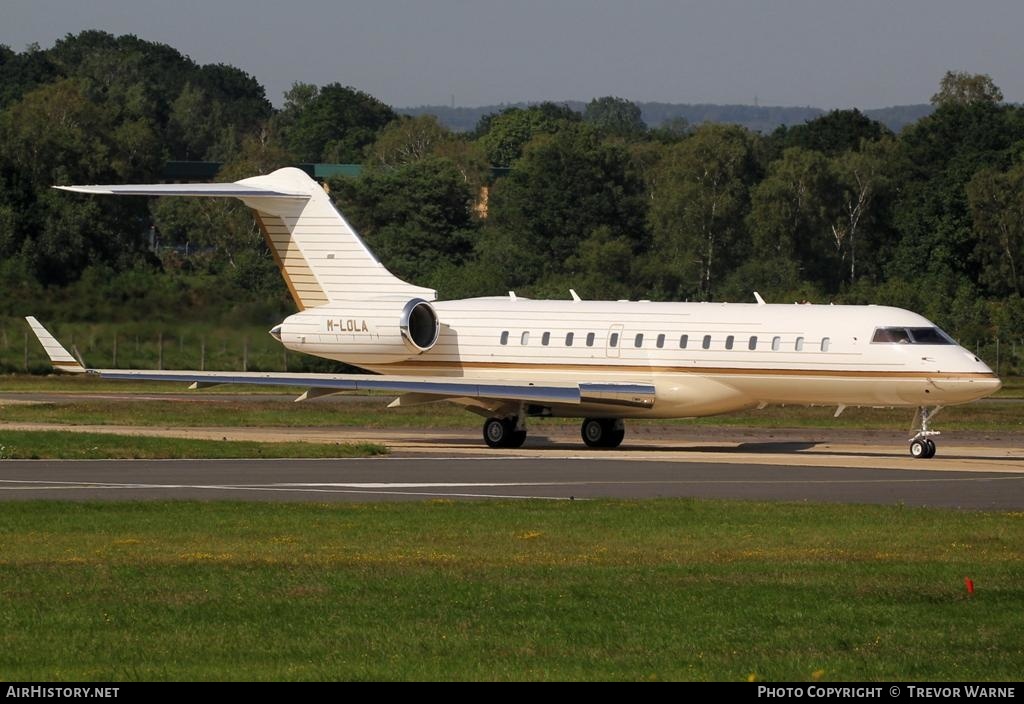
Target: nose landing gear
(921, 445)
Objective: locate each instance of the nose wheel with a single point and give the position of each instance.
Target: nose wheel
(922, 446)
(922, 449)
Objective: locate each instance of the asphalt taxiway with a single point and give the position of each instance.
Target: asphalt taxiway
(460, 477)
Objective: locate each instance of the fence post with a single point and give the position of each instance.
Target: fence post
(997, 355)
(245, 354)
(160, 350)
(26, 353)
(285, 354)
(114, 364)
(202, 354)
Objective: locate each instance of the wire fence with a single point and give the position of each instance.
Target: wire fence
(249, 349)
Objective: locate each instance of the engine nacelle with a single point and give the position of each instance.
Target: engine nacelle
(362, 332)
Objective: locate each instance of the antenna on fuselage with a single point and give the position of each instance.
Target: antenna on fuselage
(575, 296)
(757, 297)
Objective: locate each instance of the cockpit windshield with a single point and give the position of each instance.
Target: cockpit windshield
(912, 336)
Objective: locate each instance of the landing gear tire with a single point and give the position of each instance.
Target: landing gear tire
(602, 432)
(921, 445)
(922, 448)
(501, 432)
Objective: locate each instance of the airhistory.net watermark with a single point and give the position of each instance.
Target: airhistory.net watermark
(48, 692)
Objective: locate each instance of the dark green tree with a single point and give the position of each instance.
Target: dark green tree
(565, 187)
(791, 210)
(997, 208)
(335, 124)
(504, 135)
(617, 117)
(962, 88)
(415, 217)
(936, 160)
(831, 134)
(697, 212)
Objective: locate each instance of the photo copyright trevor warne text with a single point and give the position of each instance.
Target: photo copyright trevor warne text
(961, 691)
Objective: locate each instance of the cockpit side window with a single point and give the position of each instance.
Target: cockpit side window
(930, 336)
(912, 336)
(891, 335)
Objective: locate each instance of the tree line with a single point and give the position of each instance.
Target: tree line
(535, 199)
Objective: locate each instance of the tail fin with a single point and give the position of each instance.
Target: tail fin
(320, 256)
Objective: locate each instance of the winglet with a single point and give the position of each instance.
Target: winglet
(60, 358)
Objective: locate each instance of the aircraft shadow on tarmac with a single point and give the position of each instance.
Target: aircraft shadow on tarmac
(782, 447)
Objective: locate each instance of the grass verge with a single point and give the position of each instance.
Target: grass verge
(668, 589)
(45, 444)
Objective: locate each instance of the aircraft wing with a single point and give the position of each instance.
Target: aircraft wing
(571, 393)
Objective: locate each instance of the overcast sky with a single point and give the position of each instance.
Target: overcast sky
(823, 53)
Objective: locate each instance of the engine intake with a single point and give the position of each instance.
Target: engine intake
(419, 325)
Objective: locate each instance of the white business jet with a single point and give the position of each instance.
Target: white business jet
(509, 358)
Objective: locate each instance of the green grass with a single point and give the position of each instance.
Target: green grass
(371, 412)
(31, 445)
(670, 589)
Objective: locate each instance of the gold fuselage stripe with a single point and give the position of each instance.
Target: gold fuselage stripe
(423, 366)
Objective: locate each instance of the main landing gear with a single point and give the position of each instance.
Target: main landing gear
(504, 432)
(510, 432)
(603, 432)
(921, 445)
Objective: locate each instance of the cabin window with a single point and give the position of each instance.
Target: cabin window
(683, 339)
(799, 344)
(728, 342)
(660, 341)
(504, 337)
(545, 338)
(638, 341)
(776, 343)
(590, 339)
(524, 339)
(706, 344)
(824, 344)
(613, 341)
(752, 345)
(568, 339)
